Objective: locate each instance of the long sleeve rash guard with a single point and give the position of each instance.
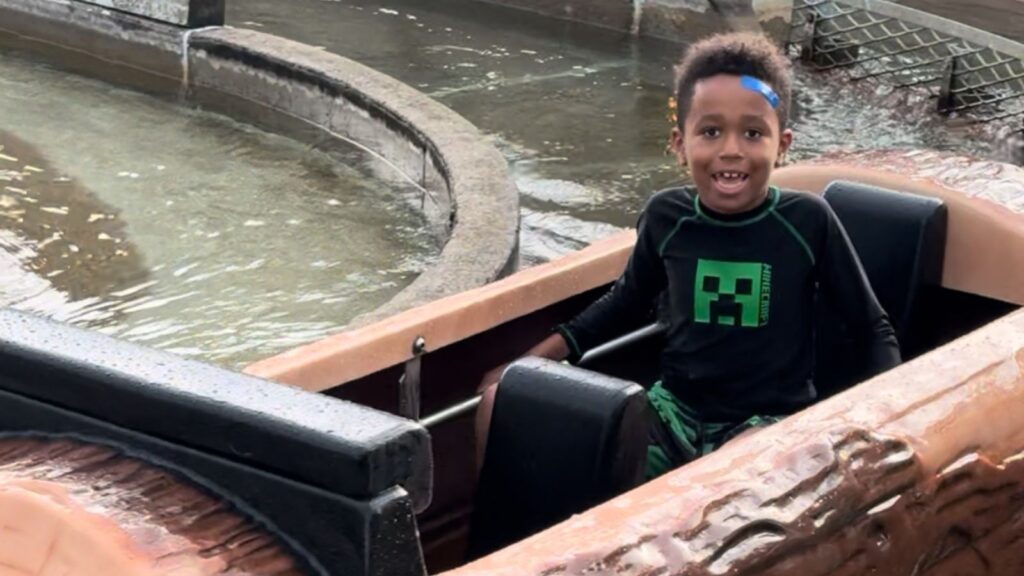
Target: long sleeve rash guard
(741, 292)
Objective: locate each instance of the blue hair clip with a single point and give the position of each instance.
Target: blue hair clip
(751, 83)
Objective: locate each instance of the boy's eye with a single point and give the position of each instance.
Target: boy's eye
(710, 131)
(753, 133)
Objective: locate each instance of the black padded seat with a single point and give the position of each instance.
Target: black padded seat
(562, 440)
(900, 239)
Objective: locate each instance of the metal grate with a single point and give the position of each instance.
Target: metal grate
(970, 73)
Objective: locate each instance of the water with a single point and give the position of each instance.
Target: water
(580, 113)
(185, 230)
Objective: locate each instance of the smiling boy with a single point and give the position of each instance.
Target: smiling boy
(740, 260)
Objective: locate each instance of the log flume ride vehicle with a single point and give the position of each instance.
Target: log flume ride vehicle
(115, 459)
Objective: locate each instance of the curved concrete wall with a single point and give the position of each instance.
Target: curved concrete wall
(467, 193)
(468, 198)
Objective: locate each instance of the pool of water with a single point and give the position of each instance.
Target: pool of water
(580, 113)
(185, 230)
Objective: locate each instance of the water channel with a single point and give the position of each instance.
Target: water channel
(580, 113)
(185, 230)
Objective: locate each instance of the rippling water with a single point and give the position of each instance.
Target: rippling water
(580, 113)
(187, 231)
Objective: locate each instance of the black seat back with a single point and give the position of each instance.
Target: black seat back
(562, 440)
(900, 239)
(337, 481)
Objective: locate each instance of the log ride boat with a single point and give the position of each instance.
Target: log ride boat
(918, 470)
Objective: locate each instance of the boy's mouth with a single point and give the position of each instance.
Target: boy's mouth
(729, 181)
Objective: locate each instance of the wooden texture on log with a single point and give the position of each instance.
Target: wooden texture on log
(81, 509)
(918, 471)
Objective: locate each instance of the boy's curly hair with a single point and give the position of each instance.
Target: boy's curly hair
(739, 53)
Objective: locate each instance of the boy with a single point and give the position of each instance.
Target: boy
(740, 260)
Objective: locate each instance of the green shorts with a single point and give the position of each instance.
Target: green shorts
(677, 436)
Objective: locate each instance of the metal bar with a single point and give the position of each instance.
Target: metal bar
(968, 69)
(808, 44)
(621, 342)
(898, 35)
(452, 412)
(409, 390)
(984, 102)
(1005, 115)
(900, 69)
(840, 31)
(468, 406)
(919, 81)
(969, 87)
(837, 15)
(876, 56)
(409, 383)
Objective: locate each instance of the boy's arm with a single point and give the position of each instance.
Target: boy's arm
(847, 285)
(626, 304)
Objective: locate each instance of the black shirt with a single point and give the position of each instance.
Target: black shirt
(741, 291)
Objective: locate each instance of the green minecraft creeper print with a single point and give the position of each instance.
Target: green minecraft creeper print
(732, 293)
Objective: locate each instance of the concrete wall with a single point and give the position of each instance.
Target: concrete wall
(468, 196)
(468, 199)
(191, 13)
(113, 45)
(676, 20)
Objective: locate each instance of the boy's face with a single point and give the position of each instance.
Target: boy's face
(731, 141)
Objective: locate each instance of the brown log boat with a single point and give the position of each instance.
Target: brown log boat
(916, 471)
(943, 244)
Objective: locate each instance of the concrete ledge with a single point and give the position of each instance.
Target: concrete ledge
(466, 188)
(468, 198)
(674, 20)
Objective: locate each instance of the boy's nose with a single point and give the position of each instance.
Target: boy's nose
(730, 147)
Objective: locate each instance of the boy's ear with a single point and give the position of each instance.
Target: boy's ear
(785, 141)
(678, 145)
